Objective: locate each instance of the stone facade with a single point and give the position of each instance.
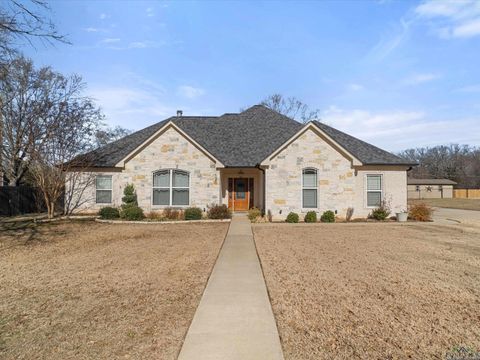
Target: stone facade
(335, 177)
(340, 185)
(170, 150)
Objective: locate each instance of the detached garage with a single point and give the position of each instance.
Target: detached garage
(430, 188)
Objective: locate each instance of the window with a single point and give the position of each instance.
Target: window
(171, 188)
(374, 190)
(309, 188)
(103, 187)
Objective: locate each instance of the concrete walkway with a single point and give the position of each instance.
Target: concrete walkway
(234, 319)
(446, 216)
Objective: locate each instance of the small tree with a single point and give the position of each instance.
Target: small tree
(129, 196)
(130, 208)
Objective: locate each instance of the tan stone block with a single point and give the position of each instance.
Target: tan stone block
(279, 201)
(317, 151)
(166, 148)
(324, 182)
(349, 174)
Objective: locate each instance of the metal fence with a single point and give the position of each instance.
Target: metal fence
(18, 200)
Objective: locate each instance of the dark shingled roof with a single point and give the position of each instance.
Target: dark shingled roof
(365, 152)
(240, 140)
(411, 181)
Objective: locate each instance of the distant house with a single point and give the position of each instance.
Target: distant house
(256, 158)
(430, 188)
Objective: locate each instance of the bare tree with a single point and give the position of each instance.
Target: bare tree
(291, 107)
(55, 162)
(106, 135)
(48, 122)
(460, 163)
(34, 102)
(22, 21)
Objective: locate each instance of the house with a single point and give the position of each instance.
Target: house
(256, 158)
(430, 188)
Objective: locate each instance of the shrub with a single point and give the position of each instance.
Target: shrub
(292, 218)
(172, 214)
(219, 212)
(253, 214)
(109, 212)
(380, 213)
(193, 213)
(129, 196)
(328, 217)
(155, 215)
(420, 212)
(310, 217)
(132, 213)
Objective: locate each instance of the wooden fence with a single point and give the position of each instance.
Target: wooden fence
(466, 193)
(19, 200)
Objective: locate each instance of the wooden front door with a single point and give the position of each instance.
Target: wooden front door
(240, 194)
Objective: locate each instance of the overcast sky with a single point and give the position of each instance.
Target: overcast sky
(398, 74)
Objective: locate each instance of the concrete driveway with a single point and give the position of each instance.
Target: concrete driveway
(448, 216)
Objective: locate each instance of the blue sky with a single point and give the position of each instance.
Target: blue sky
(397, 74)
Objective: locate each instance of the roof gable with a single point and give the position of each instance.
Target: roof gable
(367, 153)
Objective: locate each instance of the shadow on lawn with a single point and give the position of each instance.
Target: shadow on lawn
(22, 233)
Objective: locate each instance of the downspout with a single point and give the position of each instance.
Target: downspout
(264, 188)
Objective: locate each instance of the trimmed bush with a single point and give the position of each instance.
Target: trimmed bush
(172, 214)
(219, 212)
(381, 213)
(129, 196)
(253, 214)
(292, 218)
(109, 213)
(193, 213)
(310, 217)
(133, 213)
(328, 217)
(420, 212)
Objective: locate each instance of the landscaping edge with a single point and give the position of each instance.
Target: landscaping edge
(162, 222)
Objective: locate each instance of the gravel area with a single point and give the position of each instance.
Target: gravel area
(372, 291)
(84, 290)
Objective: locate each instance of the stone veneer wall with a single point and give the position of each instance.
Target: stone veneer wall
(340, 186)
(168, 151)
(335, 177)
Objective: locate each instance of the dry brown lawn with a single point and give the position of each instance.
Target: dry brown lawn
(100, 291)
(455, 203)
(372, 291)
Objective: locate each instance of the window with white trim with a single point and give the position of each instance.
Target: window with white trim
(309, 188)
(103, 189)
(374, 190)
(171, 187)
